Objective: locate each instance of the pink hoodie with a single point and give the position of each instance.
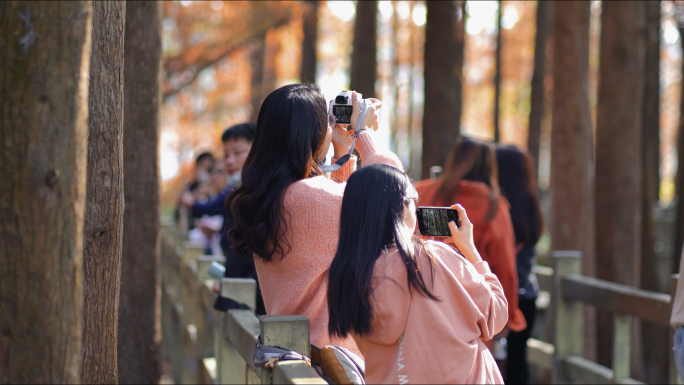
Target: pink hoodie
(419, 340)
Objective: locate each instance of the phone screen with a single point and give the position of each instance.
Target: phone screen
(342, 114)
(434, 221)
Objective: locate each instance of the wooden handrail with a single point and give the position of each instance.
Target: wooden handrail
(616, 298)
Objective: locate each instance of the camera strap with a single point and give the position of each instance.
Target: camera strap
(340, 162)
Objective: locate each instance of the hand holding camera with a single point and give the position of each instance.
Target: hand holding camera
(346, 109)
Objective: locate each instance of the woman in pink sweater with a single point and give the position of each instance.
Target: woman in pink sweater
(287, 211)
(419, 311)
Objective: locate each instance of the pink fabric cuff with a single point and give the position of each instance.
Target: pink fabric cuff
(482, 267)
(344, 172)
(365, 145)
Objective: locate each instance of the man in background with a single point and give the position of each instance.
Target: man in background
(237, 141)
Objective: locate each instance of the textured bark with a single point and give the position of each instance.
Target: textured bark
(444, 49)
(43, 126)
(363, 61)
(537, 97)
(139, 311)
(307, 71)
(654, 337)
(257, 57)
(619, 153)
(497, 74)
(572, 148)
(103, 229)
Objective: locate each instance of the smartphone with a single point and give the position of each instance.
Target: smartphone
(434, 221)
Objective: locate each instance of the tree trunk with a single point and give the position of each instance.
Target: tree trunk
(654, 337)
(103, 229)
(257, 57)
(443, 66)
(139, 311)
(619, 153)
(497, 74)
(538, 94)
(679, 184)
(363, 61)
(307, 72)
(572, 148)
(43, 150)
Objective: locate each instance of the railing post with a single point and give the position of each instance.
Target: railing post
(567, 315)
(622, 346)
(287, 332)
(673, 376)
(192, 251)
(203, 263)
(232, 369)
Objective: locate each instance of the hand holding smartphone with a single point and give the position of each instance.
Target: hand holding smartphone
(434, 221)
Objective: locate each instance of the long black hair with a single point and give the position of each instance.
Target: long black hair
(371, 222)
(516, 178)
(288, 137)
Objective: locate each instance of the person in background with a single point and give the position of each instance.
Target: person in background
(518, 186)
(199, 186)
(471, 179)
(418, 310)
(207, 228)
(677, 321)
(237, 141)
(287, 210)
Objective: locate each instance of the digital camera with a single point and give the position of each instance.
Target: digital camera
(341, 107)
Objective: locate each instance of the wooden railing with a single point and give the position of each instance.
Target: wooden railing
(570, 292)
(206, 346)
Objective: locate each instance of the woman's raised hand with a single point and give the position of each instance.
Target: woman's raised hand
(370, 121)
(463, 237)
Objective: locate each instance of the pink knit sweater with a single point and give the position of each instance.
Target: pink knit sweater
(298, 284)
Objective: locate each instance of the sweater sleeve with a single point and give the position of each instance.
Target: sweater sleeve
(499, 247)
(342, 174)
(371, 154)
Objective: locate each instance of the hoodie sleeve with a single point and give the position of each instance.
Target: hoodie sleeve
(390, 299)
(483, 289)
(499, 252)
(371, 154)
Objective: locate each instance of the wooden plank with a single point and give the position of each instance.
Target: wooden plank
(287, 332)
(540, 353)
(544, 277)
(242, 290)
(581, 371)
(613, 297)
(242, 330)
(295, 372)
(568, 315)
(622, 346)
(672, 375)
(192, 251)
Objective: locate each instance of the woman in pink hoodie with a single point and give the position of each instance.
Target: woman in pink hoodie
(418, 310)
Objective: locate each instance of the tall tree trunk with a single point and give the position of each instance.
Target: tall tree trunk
(43, 147)
(572, 148)
(139, 311)
(307, 72)
(538, 94)
(619, 153)
(443, 66)
(679, 183)
(103, 229)
(257, 58)
(497, 74)
(363, 61)
(654, 337)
